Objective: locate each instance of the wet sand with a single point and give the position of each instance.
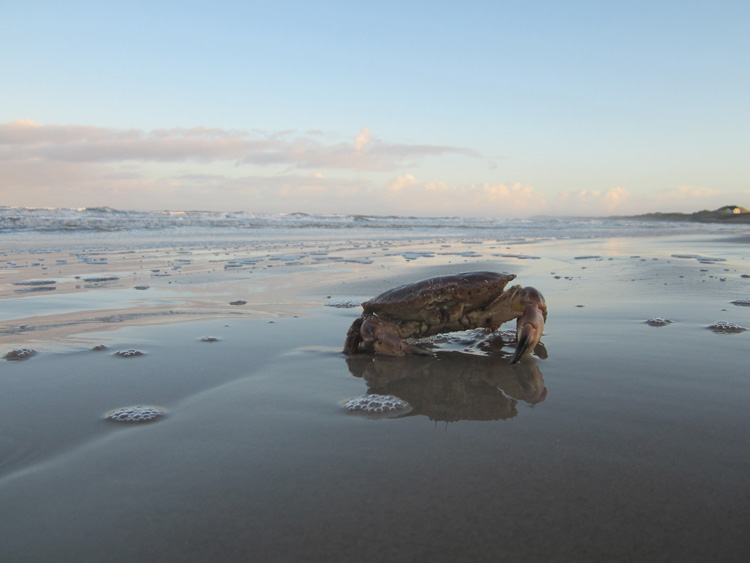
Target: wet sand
(627, 442)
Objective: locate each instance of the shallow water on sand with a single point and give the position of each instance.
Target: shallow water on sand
(626, 443)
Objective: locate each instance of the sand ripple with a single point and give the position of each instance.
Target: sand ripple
(34, 282)
(101, 279)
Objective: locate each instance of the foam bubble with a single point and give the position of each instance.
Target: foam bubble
(19, 354)
(129, 353)
(724, 327)
(138, 413)
(384, 406)
(658, 321)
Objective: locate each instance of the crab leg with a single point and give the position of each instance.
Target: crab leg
(530, 325)
(386, 340)
(353, 337)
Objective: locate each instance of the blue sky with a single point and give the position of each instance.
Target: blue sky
(414, 108)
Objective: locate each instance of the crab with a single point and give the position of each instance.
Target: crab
(447, 304)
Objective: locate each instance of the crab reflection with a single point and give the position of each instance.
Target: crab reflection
(451, 385)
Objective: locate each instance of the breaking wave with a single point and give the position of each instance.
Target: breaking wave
(106, 219)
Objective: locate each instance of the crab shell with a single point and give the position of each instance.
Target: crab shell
(438, 302)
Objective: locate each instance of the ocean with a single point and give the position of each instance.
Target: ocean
(29, 225)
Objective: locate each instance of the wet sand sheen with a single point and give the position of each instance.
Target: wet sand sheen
(621, 445)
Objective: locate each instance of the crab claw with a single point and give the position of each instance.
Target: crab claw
(530, 324)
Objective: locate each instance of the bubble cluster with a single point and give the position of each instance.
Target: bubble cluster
(724, 327)
(129, 353)
(138, 413)
(383, 405)
(658, 321)
(19, 354)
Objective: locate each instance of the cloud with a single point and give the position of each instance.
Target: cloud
(362, 139)
(398, 184)
(591, 202)
(28, 140)
(687, 192)
(198, 167)
(620, 201)
(440, 198)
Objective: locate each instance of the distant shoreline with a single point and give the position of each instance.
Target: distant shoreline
(729, 214)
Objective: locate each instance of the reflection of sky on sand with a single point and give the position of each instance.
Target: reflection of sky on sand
(279, 276)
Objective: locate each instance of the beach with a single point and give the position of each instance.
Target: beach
(619, 440)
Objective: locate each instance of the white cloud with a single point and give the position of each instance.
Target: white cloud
(591, 202)
(26, 140)
(313, 171)
(80, 165)
(689, 192)
(621, 201)
(361, 140)
(440, 198)
(401, 182)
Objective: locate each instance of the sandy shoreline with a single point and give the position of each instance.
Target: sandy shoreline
(625, 443)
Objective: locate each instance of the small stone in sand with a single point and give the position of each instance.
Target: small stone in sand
(138, 413)
(209, 339)
(129, 353)
(19, 354)
(238, 302)
(724, 327)
(741, 302)
(99, 348)
(658, 321)
(141, 287)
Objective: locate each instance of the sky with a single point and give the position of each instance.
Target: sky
(474, 108)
